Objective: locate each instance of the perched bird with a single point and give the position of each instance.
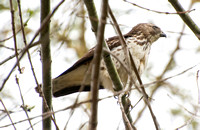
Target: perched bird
(139, 41)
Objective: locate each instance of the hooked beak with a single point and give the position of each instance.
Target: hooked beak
(163, 34)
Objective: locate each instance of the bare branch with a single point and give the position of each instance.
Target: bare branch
(8, 113)
(92, 15)
(186, 18)
(125, 113)
(189, 121)
(25, 42)
(14, 34)
(23, 104)
(96, 66)
(160, 12)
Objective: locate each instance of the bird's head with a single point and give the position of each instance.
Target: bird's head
(148, 31)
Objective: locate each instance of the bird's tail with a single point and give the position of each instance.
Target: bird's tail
(71, 81)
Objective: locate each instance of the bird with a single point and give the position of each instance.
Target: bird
(139, 40)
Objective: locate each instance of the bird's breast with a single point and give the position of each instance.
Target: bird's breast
(139, 54)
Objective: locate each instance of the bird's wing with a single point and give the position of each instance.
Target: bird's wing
(70, 81)
(112, 42)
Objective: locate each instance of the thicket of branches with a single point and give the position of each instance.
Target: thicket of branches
(25, 47)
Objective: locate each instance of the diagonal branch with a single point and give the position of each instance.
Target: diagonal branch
(8, 113)
(92, 15)
(186, 18)
(155, 11)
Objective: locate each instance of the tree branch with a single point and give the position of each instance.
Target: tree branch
(155, 11)
(92, 15)
(14, 34)
(186, 18)
(46, 64)
(108, 61)
(96, 66)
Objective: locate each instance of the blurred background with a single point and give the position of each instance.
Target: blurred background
(175, 101)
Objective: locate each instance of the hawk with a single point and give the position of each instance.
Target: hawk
(139, 41)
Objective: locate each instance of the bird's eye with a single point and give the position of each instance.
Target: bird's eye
(154, 27)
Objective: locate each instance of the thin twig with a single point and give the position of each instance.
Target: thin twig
(160, 12)
(7, 59)
(188, 120)
(8, 113)
(25, 42)
(12, 56)
(23, 104)
(9, 48)
(170, 77)
(14, 34)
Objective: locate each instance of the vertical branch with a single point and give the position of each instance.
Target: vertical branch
(96, 66)
(46, 63)
(14, 34)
